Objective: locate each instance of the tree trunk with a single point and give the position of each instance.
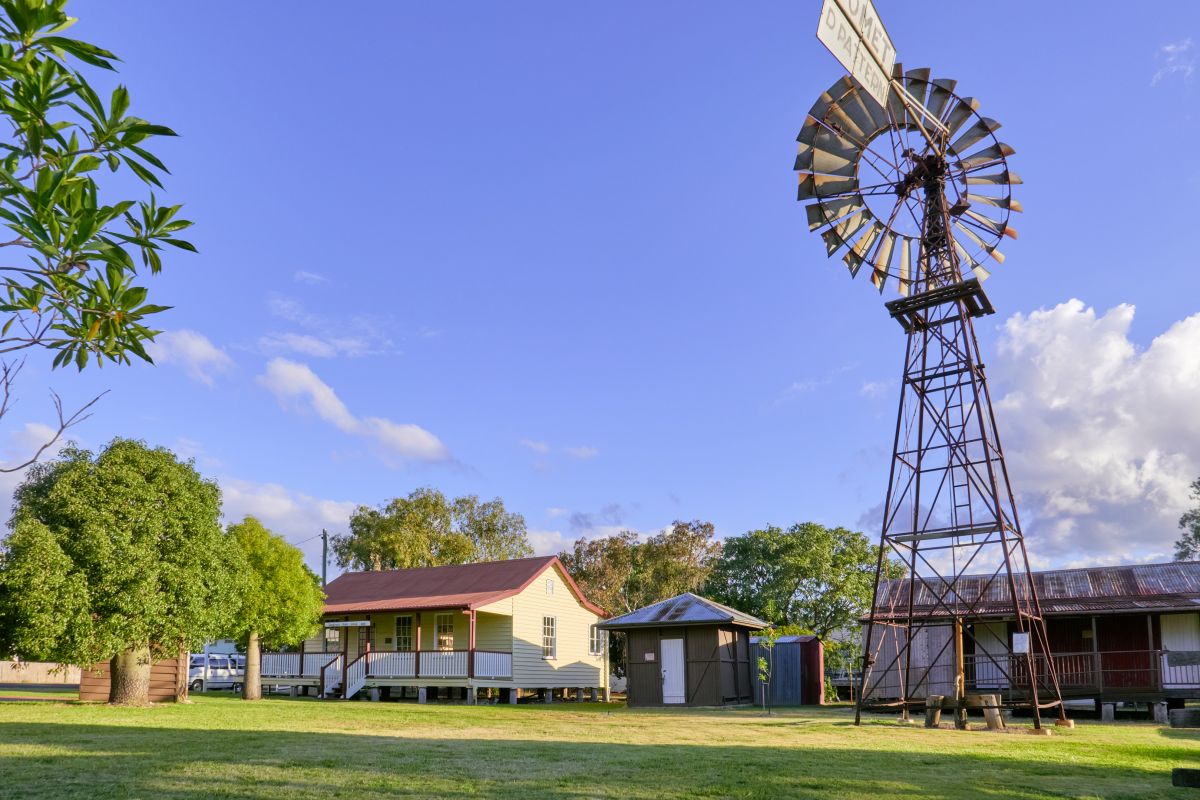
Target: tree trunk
(182, 668)
(252, 677)
(130, 677)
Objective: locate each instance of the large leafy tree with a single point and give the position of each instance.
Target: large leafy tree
(426, 529)
(281, 603)
(116, 556)
(808, 575)
(75, 245)
(1187, 547)
(620, 573)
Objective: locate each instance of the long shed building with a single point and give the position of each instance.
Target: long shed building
(687, 651)
(1117, 633)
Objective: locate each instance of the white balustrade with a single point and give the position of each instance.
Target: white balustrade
(444, 664)
(279, 665)
(385, 664)
(493, 665)
(356, 676)
(332, 674)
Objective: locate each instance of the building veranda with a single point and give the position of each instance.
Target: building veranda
(507, 628)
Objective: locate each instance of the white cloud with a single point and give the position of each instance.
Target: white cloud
(1175, 58)
(582, 453)
(875, 388)
(1102, 438)
(324, 337)
(296, 516)
(191, 351)
(309, 345)
(535, 446)
(311, 278)
(295, 385)
(556, 512)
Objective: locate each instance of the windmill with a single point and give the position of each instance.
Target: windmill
(908, 183)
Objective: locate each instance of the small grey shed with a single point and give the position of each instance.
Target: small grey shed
(687, 650)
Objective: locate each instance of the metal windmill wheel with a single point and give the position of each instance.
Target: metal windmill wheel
(866, 167)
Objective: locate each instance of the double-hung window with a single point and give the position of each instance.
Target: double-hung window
(404, 634)
(595, 640)
(549, 637)
(444, 627)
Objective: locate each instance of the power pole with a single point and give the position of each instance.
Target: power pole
(324, 555)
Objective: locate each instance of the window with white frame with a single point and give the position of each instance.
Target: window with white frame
(549, 585)
(595, 640)
(333, 640)
(404, 634)
(444, 627)
(549, 637)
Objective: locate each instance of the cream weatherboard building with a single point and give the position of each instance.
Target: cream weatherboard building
(514, 628)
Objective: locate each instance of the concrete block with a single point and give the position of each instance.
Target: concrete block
(549, 696)
(1160, 713)
(1184, 717)
(422, 695)
(1108, 712)
(514, 694)
(373, 693)
(579, 696)
(595, 694)
(471, 698)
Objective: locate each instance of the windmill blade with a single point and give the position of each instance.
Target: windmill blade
(939, 93)
(813, 185)
(867, 110)
(960, 113)
(883, 260)
(998, 202)
(858, 253)
(1005, 178)
(965, 257)
(987, 155)
(994, 225)
(813, 159)
(989, 249)
(895, 104)
(905, 268)
(983, 127)
(837, 236)
(822, 213)
(916, 82)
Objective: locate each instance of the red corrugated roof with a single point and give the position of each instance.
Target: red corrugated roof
(1133, 587)
(459, 586)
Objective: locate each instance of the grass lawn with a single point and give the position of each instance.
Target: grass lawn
(283, 748)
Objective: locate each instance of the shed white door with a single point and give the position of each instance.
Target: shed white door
(1181, 640)
(672, 671)
(991, 655)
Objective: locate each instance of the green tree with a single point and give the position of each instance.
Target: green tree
(1187, 548)
(426, 529)
(117, 556)
(621, 574)
(77, 250)
(808, 575)
(281, 603)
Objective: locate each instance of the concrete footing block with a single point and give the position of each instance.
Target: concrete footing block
(1160, 713)
(1108, 712)
(422, 695)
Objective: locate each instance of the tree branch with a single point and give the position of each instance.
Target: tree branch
(8, 374)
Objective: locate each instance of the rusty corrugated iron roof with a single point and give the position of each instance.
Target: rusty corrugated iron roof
(463, 586)
(1090, 590)
(684, 609)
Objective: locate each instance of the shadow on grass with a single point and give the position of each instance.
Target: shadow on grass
(52, 760)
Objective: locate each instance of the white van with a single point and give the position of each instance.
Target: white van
(216, 671)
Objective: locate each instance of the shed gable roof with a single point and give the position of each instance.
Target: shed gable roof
(684, 609)
(464, 586)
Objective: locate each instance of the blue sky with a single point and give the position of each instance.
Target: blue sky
(551, 252)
